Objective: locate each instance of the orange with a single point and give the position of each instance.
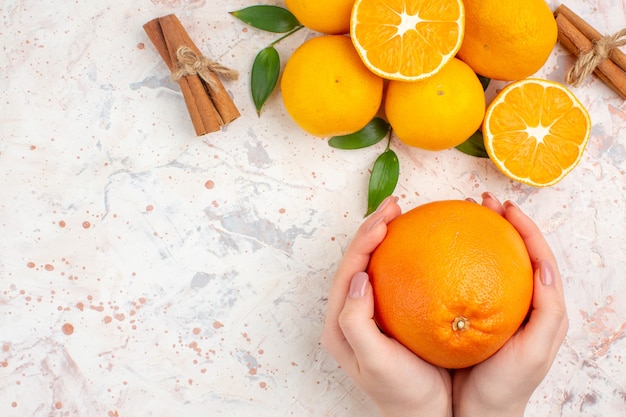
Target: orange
(406, 39)
(452, 281)
(438, 112)
(326, 16)
(507, 40)
(536, 131)
(326, 88)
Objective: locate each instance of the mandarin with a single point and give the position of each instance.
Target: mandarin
(507, 40)
(331, 17)
(536, 131)
(438, 112)
(326, 88)
(452, 282)
(407, 40)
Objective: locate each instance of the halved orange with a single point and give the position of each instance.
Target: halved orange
(536, 131)
(407, 40)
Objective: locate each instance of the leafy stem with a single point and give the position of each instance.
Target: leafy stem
(291, 32)
(475, 145)
(383, 179)
(265, 75)
(266, 66)
(386, 169)
(389, 133)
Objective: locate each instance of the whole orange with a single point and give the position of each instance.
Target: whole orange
(507, 40)
(452, 282)
(438, 112)
(326, 88)
(327, 16)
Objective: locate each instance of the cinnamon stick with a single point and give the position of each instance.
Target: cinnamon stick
(577, 43)
(209, 108)
(617, 56)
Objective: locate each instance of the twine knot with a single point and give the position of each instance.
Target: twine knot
(190, 63)
(588, 61)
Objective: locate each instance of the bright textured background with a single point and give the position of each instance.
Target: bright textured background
(193, 271)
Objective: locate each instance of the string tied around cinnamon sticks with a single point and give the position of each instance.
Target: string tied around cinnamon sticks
(588, 61)
(580, 38)
(209, 104)
(190, 63)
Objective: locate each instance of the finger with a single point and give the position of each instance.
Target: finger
(490, 201)
(357, 323)
(357, 255)
(374, 354)
(536, 244)
(355, 260)
(548, 321)
(368, 236)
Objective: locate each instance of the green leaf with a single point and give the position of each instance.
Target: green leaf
(474, 146)
(371, 134)
(383, 180)
(270, 18)
(484, 81)
(265, 72)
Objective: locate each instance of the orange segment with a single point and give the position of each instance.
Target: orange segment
(536, 131)
(406, 40)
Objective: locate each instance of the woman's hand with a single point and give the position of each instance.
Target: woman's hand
(502, 385)
(399, 383)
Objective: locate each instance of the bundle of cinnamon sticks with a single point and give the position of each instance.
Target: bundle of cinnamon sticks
(596, 53)
(209, 104)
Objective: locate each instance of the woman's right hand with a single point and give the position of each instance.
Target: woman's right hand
(502, 385)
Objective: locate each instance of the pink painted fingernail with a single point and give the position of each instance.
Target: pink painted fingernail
(487, 194)
(375, 223)
(546, 273)
(509, 203)
(358, 285)
(385, 203)
(471, 200)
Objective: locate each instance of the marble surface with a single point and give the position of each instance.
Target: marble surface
(145, 271)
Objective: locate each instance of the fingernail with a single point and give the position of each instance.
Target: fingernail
(471, 200)
(487, 194)
(546, 273)
(509, 203)
(358, 285)
(385, 203)
(375, 223)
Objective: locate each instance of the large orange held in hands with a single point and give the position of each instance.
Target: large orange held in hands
(452, 282)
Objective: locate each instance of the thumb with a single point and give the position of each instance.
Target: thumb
(356, 319)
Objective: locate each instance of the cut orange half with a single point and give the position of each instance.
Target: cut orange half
(536, 131)
(407, 40)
